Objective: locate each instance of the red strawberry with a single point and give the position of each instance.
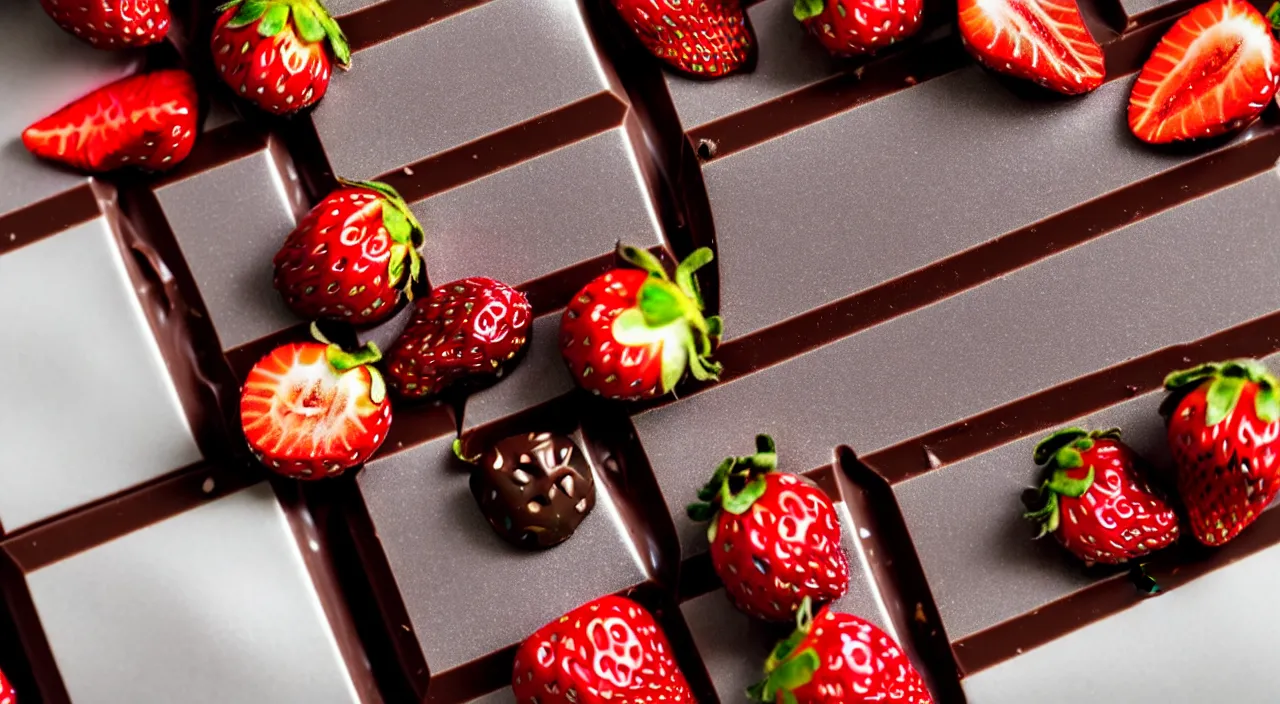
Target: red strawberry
(112, 24)
(311, 410)
(610, 650)
(838, 658)
(702, 38)
(352, 257)
(1213, 72)
(272, 52)
(847, 27)
(148, 121)
(467, 328)
(1044, 41)
(7, 693)
(775, 538)
(631, 333)
(1096, 503)
(1224, 432)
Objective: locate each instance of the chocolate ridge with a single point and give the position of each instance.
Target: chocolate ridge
(387, 20)
(505, 148)
(1073, 399)
(48, 217)
(1171, 569)
(215, 148)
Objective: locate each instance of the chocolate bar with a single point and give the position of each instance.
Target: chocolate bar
(922, 267)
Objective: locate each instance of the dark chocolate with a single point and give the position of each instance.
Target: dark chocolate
(534, 488)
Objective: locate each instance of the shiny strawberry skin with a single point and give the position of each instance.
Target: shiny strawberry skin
(280, 69)
(609, 650)
(701, 38)
(304, 418)
(1105, 511)
(112, 24)
(784, 548)
(1212, 73)
(467, 328)
(1227, 471)
(8, 695)
(350, 258)
(841, 659)
(1044, 41)
(147, 121)
(597, 360)
(851, 27)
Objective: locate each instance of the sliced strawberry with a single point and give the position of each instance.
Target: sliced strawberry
(1212, 73)
(1044, 41)
(310, 410)
(148, 121)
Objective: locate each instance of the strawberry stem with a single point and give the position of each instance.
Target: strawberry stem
(737, 483)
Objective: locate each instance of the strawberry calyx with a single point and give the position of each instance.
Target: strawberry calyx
(737, 484)
(405, 231)
(1226, 382)
(787, 669)
(1059, 453)
(311, 22)
(808, 9)
(1273, 16)
(343, 361)
(671, 309)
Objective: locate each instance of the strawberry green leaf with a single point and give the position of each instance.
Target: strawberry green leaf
(806, 9)
(1067, 458)
(715, 327)
(1194, 375)
(1060, 483)
(1046, 516)
(1222, 396)
(701, 511)
(377, 386)
(660, 303)
(308, 24)
(461, 454)
(337, 40)
(1049, 447)
(250, 11)
(317, 335)
(684, 274)
(795, 672)
(393, 218)
(395, 265)
(766, 457)
(274, 20)
(712, 488)
(342, 360)
(1267, 403)
(641, 259)
(738, 503)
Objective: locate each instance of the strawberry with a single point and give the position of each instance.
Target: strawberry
(148, 121)
(1212, 73)
(631, 333)
(312, 410)
(468, 328)
(775, 538)
(1044, 41)
(610, 649)
(8, 695)
(1111, 515)
(837, 658)
(280, 65)
(112, 24)
(352, 256)
(701, 38)
(1224, 432)
(848, 27)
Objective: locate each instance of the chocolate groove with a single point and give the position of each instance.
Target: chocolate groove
(1172, 568)
(48, 217)
(499, 150)
(1073, 399)
(392, 18)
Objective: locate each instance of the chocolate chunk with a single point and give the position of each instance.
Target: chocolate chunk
(535, 489)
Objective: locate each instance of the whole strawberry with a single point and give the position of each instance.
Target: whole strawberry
(632, 333)
(112, 24)
(775, 538)
(468, 328)
(311, 410)
(609, 650)
(147, 121)
(1096, 503)
(701, 38)
(850, 27)
(273, 52)
(837, 658)
(1224, 433)
(352, 256)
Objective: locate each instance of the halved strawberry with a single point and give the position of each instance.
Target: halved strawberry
(311, 410)
(1212, 73)
(1044, 41)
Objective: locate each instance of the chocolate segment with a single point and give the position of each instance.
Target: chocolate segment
(540, 377)
(534, 489)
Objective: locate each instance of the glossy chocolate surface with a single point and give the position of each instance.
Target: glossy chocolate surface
(922, 269)
(534, 489)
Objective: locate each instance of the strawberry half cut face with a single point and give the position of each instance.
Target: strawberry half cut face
(1212, 73)
(310, 410)
(1044, 41)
